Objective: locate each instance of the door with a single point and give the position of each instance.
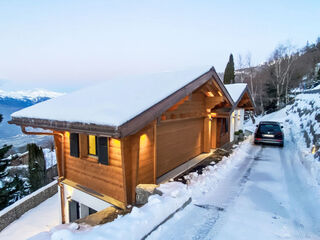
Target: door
(178, 142)
(74, 213)
(222, 131)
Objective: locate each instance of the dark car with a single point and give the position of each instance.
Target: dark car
(269, 132)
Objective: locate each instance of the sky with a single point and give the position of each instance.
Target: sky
(66, 45)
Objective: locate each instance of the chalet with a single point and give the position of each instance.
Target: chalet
(111, 137)
(242, 102)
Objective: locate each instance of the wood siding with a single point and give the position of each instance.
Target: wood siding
(193, 106)
(138, 160)
(177, 142)
(146, 156)
(86, 171)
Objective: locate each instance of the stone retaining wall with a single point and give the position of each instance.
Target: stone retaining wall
(15, 211)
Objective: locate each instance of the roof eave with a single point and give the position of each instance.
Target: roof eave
(246, 89)
(77, 127)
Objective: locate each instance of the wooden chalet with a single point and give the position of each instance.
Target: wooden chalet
(105, 147)
(243, 101)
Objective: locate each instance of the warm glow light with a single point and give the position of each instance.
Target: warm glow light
(220, 93)
(210, 94)
(67, 134)
(115, 142)
(69, 190)
(314, 149)
(213, 115)
(143, 140)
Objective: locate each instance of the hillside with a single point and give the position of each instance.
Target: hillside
(302, 117)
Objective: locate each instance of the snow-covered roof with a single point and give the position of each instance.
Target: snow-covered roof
(235, 90)
(112, 102)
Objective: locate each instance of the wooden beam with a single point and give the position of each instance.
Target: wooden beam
(101, 196)
(206, 135)
(214, 101)
(135, 165)
(124, 173)
(214, 133)
(155, 152)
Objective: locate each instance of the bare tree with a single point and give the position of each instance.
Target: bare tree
(240, 72)
(282, 65)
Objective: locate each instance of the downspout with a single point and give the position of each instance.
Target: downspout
(61, 174)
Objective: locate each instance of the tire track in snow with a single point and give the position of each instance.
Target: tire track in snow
(197, 220)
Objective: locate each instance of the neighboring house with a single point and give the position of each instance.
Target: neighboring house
(111, 137)
(242, 102)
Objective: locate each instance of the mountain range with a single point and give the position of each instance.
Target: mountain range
(12, 101)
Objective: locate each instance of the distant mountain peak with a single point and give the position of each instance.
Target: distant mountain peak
(29, 94)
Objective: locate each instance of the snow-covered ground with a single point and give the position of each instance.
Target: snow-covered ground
(42, 218)
(259, 192)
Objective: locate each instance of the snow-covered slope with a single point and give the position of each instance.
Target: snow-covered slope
(303, 118)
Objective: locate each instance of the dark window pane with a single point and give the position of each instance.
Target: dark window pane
(74, 144)
(103, 150)
(92, 211)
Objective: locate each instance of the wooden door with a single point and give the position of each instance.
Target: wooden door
(178, 142)
(222, 131)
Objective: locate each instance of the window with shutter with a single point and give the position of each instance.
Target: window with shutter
(74, 144)
(103, 150)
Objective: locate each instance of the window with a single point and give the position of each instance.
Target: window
(74, 213)
(92, 145)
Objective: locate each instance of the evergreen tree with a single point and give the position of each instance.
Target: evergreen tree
(11, 189)
(4, 193)
(37, 167)
(17, 189)
(229, 71)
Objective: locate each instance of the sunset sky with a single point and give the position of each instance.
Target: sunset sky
(66, 45)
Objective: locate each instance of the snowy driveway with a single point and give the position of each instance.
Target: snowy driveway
(268, 196)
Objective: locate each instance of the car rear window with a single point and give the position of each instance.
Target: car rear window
(265, 128)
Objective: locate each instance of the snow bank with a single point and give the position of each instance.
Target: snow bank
(204, 186)
(131, 226)
(304, 120)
